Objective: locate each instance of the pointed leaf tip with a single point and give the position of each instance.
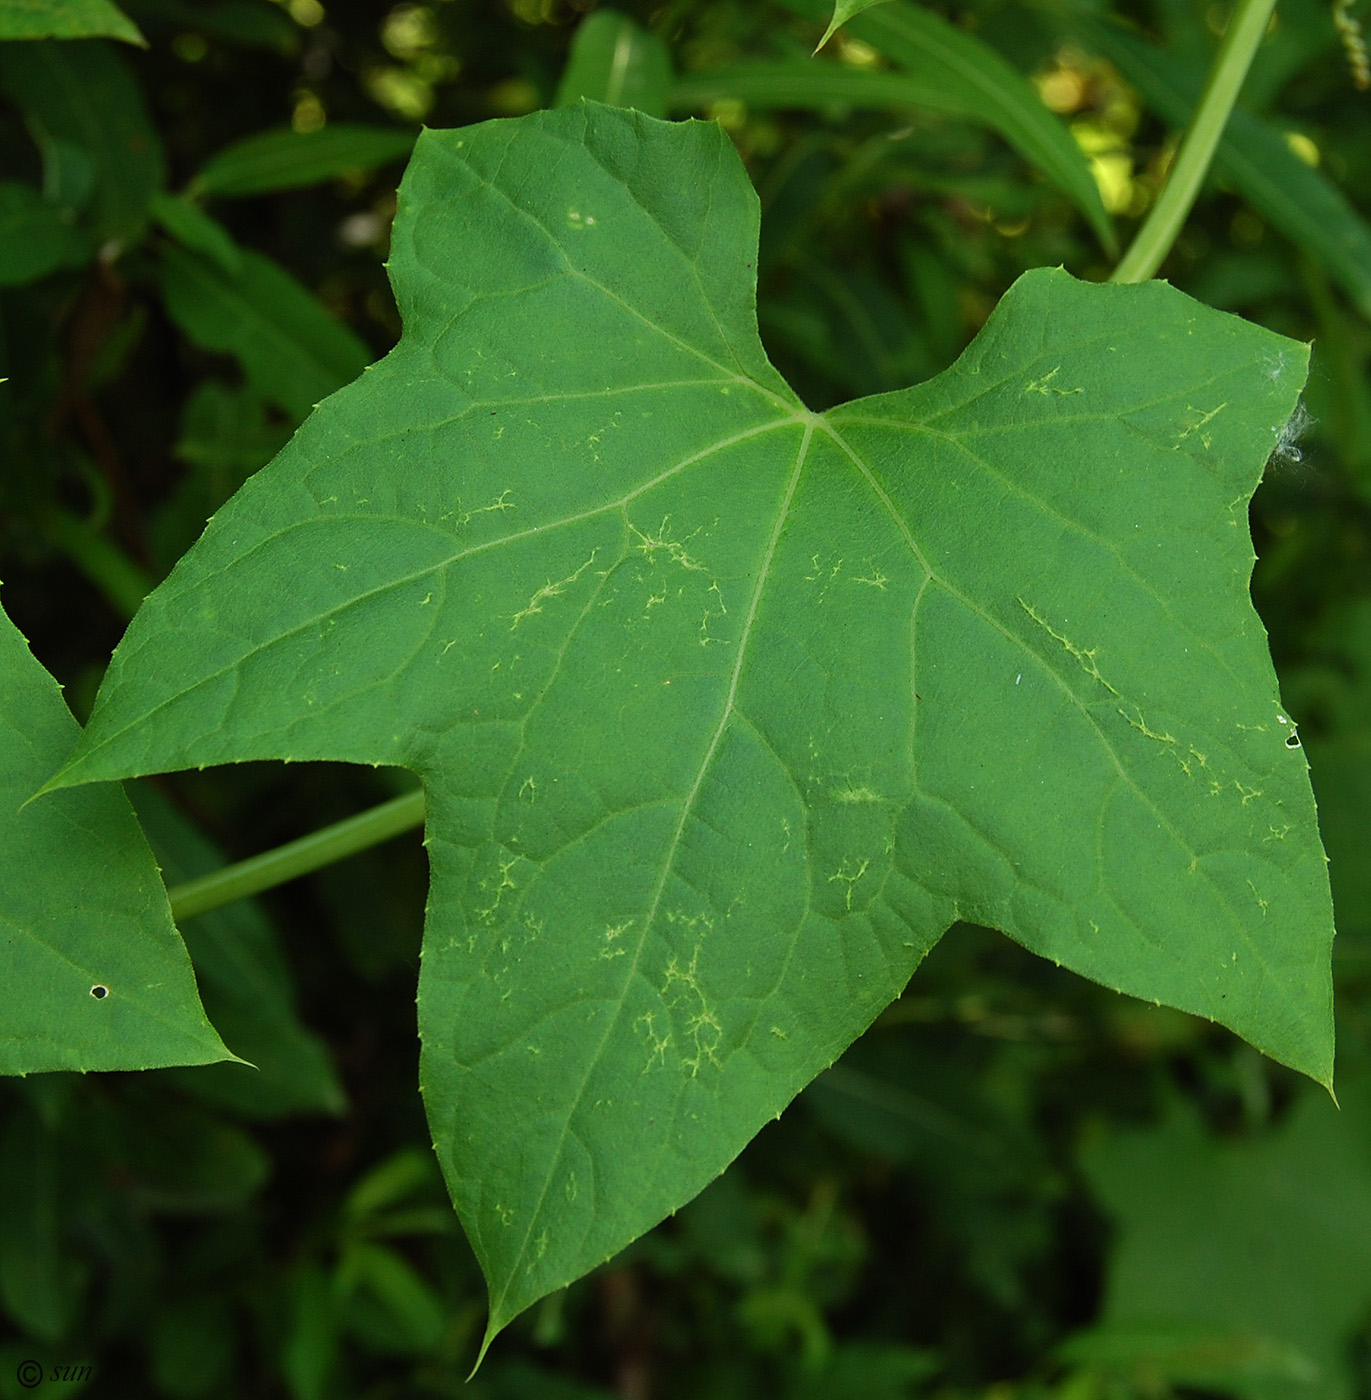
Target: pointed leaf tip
(843, 10)
(93, 976)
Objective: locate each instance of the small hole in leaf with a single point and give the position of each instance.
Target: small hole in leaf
(99, 991)
(1292, 741)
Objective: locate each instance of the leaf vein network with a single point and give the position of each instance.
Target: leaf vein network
(628, 306)
(341, 607)
(691, 259)
(1015, 640)
(634, 967)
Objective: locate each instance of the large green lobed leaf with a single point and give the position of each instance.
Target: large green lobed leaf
(726, 710)
(92, 973)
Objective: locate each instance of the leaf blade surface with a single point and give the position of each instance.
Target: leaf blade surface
(843, 10)
(81, 906)
(720, 704)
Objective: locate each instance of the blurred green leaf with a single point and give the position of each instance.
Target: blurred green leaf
(615, 61)
(386, 1303)
(68, 175)
(184, 1160)
(933, 286)
(83, 94)
(1186, 1353)
(287, 160)
(1339, 376)
(40, 1283)
(389, 1183)
(820, 84)
(226, 435)
(66, 19)
(1263, 1238)
(34, 237)
(867, 1371)
(1338, 695)
(1341, 770)
(293, 352)
(192, 1345)
(938, 55)
(256, 24)
(92, 973)
(246, 987)
(193, 229)
(310, 1353)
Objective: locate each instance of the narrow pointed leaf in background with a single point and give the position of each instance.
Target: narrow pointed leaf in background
(81, 907)
(726, 710)
(288, 160)
(615, 61)
(293, 352)
(939, 55)
(245, 982)
(194, 230)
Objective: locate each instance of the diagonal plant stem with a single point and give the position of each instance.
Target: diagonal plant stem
(297, 858)
(1154, 240)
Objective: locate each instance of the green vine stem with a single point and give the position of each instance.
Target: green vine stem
(1246, 29)
(312, 852)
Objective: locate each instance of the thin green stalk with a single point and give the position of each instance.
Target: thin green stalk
(1154, 240)
(297, 858)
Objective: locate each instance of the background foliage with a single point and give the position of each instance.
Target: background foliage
(1015, 1182)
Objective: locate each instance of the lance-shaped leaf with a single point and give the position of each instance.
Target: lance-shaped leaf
(725, 709)
(92, 973)
(947, 68)
(616, 61)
